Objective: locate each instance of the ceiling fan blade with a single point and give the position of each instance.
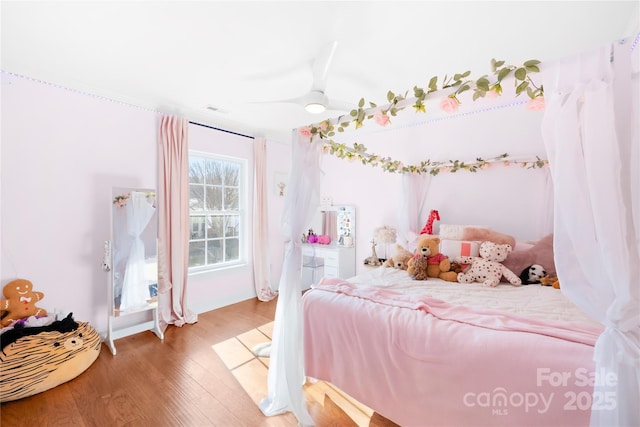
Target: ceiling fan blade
(298, 100)
(339, 105)
(321, 66)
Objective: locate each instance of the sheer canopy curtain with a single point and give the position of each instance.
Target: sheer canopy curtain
(415, 188)
(286, 368)
(590, 129)
(173, 221)
(261, 261)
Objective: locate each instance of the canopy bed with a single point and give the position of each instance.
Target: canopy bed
(590, 98)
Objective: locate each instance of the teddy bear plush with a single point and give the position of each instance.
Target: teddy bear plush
(400, 259)
(487, 268)
(418, 266)
(19, 302)
(438, 265)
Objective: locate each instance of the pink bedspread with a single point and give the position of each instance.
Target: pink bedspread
(420, 361)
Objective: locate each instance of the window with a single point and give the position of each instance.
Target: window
(216, 210)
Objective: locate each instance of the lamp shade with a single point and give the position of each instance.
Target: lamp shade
(385, 234)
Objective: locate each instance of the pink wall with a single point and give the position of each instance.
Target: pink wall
(279, 161)
(62, 152)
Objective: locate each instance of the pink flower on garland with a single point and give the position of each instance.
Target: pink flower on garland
(305, 132)
(536, 104)
(324, 125)
(450, 104)
(381, 118)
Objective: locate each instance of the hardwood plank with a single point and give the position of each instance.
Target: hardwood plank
(42, 406)
(253, 337)
(267, 329)
(233, 352)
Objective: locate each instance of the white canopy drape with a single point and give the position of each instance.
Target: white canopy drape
(286, 369)
(590, 128)
(414, 194)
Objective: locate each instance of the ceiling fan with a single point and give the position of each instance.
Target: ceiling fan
(315, 101)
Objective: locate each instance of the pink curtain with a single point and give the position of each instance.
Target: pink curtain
(173, 222)
(261, 262)
(330, 224)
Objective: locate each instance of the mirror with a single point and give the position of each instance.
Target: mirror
(345, 223)
(134, 249)
(337, 222)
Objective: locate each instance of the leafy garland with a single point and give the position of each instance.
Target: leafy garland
(358, 152)
(482, 87)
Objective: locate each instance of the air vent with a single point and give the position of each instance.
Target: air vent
(216, 109)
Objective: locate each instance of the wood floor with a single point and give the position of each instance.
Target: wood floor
(200, 375)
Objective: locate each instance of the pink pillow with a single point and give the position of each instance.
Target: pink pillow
(540, 253)
(476, 234)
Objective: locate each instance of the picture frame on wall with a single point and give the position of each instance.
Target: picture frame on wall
(281, 179)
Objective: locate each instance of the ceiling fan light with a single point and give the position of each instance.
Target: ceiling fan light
(315, 107)
(316, 101)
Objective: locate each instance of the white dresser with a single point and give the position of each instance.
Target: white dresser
(331, 261)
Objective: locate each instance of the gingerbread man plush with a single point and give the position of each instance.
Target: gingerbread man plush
(19, 302)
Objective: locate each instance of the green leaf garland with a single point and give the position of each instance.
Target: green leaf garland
(481, 87)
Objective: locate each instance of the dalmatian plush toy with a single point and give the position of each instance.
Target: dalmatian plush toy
(487, 268)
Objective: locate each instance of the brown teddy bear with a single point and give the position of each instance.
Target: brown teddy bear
(437, 264)
(400, 259)
(418, 266)
(19, 302)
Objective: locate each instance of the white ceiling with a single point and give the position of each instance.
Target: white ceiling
(182, 56)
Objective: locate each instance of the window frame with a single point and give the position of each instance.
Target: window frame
(243, 232)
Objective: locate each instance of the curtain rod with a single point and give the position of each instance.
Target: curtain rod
(222, 130)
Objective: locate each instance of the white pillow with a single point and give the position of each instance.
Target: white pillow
(454, 248)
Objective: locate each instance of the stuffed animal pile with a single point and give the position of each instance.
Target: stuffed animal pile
(487, 268)
(39, 352)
